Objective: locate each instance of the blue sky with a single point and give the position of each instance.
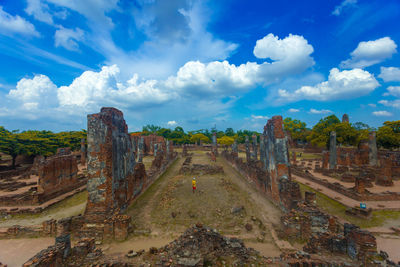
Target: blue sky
(197, 64)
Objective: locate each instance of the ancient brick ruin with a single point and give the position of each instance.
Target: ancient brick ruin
(46, 179)
(271, 175)
(115, 179)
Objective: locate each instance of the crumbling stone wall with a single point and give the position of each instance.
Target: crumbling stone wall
(58, 174)
(111, 165)
(272, 175)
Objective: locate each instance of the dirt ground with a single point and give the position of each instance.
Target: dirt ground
(15, 252)
(169, 207)
(225, 201)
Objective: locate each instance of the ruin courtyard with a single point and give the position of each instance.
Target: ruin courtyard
(126, 200)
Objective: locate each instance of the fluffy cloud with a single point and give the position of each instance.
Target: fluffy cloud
(387, 103)
(172, 123)
(293, 110)
(382, 113)
(94, 89)
(290, 55)
(346, 3)
(10, 25)
(390, 74)
(222, 78)
(39, 10)
(370, 53)
(40, 89)
(68, 38)
(393, 90)
(259, 117)
(322, 111)
(340, 85)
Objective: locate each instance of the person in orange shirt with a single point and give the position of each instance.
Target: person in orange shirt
(194, 184)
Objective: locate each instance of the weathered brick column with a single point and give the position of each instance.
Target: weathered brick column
(255, 147)
(373, 149)
(235, 148)
(262, 149)
(83, 151)
(215, 144)
(276, 154)
(111, 165)
(248, 158)
(332, 151)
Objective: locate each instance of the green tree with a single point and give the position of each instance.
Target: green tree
(319, 135)
(150, 128)
(387, 137)
(296, 128)
(225, 140)
(229, 132)
(196, 138)
(164, 132)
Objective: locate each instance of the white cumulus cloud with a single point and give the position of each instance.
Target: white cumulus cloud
(382, 113)
(290, 55)
(172, 123)
(390, 74)
(68, 38)
(370, 53)
(93, 89)
(387, 103)
(36, 90)
(10, 25)
(259, 117)
(393, 90)
(293, 110)
(322, 111)
(340, 85)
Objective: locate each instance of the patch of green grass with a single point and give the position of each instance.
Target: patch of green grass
(307, 156)
(335, 208)
(72, 201)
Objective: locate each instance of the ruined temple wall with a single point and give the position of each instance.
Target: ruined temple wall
(110, 164)
(57, 175)
(150, 141)
(272, 175)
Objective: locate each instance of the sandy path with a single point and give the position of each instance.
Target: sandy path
(390, 244)
(66, 212)
(349, 202)
(15, 252)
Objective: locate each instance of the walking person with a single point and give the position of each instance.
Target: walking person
(194, 184)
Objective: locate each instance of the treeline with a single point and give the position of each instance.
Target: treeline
(347, 134)
(44, 143)
(179, 136)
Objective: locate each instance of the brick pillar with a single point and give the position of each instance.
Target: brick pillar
(325, 159)
(360, 185)
(373, 149)
(255, 147)
(111, 165)
(247, 149)
(294, 160)
(276, 154)
(332, 151)
(140, 149)
(262, 148)
(235, 149)
(385, 176)
(83, 151)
